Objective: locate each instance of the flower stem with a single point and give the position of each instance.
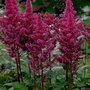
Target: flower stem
(34, 80)
(71, 78)
(42, 75)
(67, 66)
(67, 69)
(50, 70)
(18, 66)
(42, 83)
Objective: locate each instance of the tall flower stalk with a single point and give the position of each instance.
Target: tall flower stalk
(39, 47)
(10, 29)
(68, 37)
(29, 24)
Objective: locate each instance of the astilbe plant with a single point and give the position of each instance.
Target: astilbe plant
(38, 35)
(36, 38)
(10, 26)
(26, 28)
(51, 21)
(39, 47)
(30, 32)
(68, 37)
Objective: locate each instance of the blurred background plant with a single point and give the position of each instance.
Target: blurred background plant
(54, 6)
(57, 6)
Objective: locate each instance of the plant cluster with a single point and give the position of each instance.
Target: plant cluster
(38, 36)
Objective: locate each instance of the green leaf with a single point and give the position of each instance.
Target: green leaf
(81, 69)
(10, 88)
(19, 86)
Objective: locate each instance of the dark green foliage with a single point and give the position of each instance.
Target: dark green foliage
(52, 6)
(57, 6)
(6, 77)
(79, 4)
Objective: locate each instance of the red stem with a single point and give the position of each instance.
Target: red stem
(34, 80)
(67, 69)
(71, 78)
(50, 69)
(17, 70)
(18, 66)
(42, 75)
(42, 83)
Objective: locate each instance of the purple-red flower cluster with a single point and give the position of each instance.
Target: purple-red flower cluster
(37, 34)
(68, 36)
(10, 25)
(29, 31)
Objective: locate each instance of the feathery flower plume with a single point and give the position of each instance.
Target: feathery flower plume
(10, 25)
(27, 25)
(69, 33)
(69, 39)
